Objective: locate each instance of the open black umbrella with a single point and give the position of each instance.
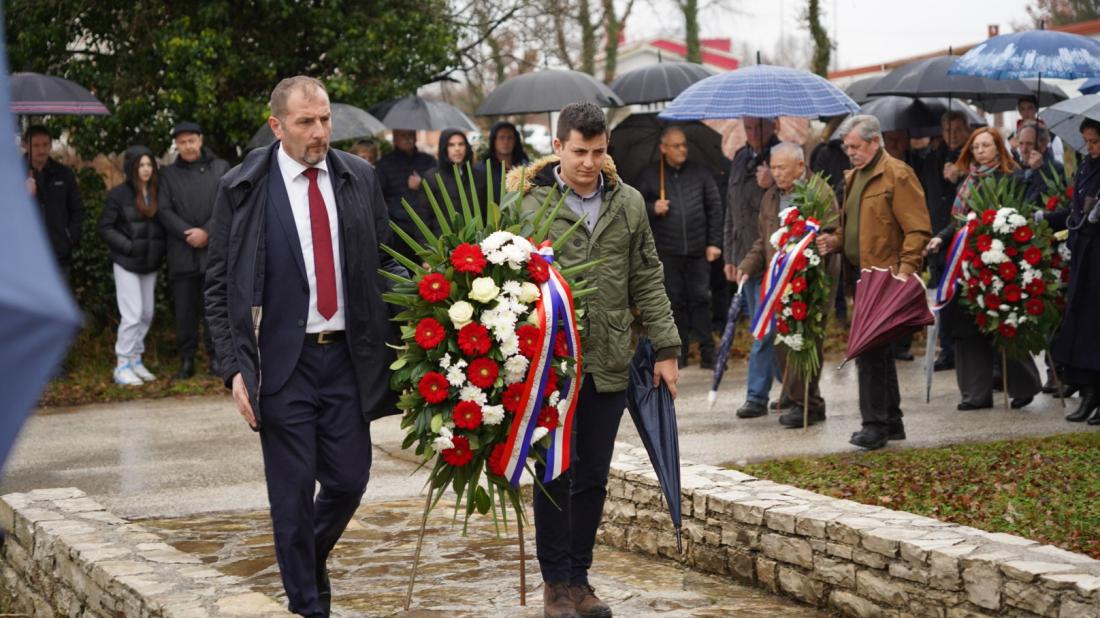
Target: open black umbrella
(658, 82)
(545, 91)
(635, 143)
(1048, 95)
(1064, 119)
(654, 415)
(33, 94)
(858, 89)
(929, 78)
(897, 113)
(421, 114)
(348, 122)
(37, 315)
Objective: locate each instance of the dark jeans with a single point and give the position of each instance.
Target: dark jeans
(313, 431)
(564, 538)
(687, 282)
(879, 397)
(188, 293)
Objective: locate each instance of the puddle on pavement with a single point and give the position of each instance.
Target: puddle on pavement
(459, 577)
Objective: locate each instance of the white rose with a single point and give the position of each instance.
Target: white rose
(483, 289)
(529, 293)
(461, 313)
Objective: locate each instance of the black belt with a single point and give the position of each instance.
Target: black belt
(325, 337)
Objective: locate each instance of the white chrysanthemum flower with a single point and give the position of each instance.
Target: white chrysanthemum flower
(1000, 225)
(511, 288)
(1063, 251)
(793, 341)
(563, 366)
(474, 394)
(1015, 221)
(553, 399)
(496, 257)
(973, 215)
(786, 211)
(776, 236)
(814, 259)
(514, 377)
(449, 424)
(510, 346)
(492, 415)
(991, 313)
(1030, 274)
(489, 318)
(456, 377)
(998, 285)
(504, 332)
(540, 433)
(516, 255)
(496, 240)
(809, 252)
(445, 362)
(441, 443)
(981, 302)
(516, 364)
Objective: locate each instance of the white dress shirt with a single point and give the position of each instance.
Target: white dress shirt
(297, 189)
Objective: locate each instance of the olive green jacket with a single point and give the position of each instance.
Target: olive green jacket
(632, 271)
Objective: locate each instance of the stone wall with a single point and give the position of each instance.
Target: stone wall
(64, 555)
(861, 560)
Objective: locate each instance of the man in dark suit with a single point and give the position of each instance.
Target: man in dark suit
(294, 303)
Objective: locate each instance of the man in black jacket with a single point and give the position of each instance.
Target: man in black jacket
(293, 271)
(685, 213)
(54, 185)
(1037, 162)
(400, 173)
(186, 196)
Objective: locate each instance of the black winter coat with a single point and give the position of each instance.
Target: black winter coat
(235, 275)
(446, 172)
(393, 171)
(939, 193)
(1033, 181)
(62, 208)
(694, 218)
(137, 242)
(830, 159)
(186, 200)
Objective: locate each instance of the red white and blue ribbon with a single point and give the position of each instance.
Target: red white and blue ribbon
(776, 280)
(946, 289)
(555, 304)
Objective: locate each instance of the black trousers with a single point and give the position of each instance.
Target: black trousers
(313, 430)
(687, 283)
(879, 397)
(188, 293)
(564, 538)
(976, 361)
(720, 295)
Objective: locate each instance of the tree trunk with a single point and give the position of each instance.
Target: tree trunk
(691, 30)
(613, 26)
(823, 47)
(588, 37)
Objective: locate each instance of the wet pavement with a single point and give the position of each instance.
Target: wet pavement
(458, 577)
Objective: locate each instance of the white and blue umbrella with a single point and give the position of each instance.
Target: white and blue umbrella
(1091, 86)
(760, 91)
(1035, 53)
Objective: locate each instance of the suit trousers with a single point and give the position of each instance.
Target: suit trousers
(974, 362)
(687, 282)
(188, 294)
(313, 430)
(795, 386)
(564, 538)
(879, 397)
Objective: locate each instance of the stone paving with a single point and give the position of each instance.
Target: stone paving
(458, 577)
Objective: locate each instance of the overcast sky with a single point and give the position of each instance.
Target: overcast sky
(868, 31)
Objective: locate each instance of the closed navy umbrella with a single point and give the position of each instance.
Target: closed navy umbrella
(654, 415)
(37, 315)
(724, 347)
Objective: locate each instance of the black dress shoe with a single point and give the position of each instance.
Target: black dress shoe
(781, 404)
(793, 418)
(903, 355)
(869, 439)
(324, 591)
(1089, 403)
(751, 409)
(1019, 402)
(967, 406)
(187, 369)
(896, 430)
(944, 363)
(707, 363)
(1050, 388)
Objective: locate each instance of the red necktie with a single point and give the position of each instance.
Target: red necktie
(323, 266)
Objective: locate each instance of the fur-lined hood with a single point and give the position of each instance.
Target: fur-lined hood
(540, 173)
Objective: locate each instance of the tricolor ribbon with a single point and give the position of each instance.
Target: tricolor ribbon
(776, 280)
(946, 289)
(555, 304)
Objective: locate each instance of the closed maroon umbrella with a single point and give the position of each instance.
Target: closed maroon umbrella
(886, 309)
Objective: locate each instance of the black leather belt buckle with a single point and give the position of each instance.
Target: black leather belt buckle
(325, 337)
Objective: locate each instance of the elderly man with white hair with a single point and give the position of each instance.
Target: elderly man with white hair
(884, 224)
(788, 165)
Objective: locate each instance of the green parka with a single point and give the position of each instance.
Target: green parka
(632, 272)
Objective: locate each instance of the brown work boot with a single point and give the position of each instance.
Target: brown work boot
(558, 601)
(587, 603)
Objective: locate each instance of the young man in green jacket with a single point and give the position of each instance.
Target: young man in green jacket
(617, 230)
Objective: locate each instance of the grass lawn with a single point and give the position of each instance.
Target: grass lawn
(1044, 489)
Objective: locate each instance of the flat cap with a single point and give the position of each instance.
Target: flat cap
(187, 127)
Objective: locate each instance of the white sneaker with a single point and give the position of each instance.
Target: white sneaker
(125, 376)
(141, 372)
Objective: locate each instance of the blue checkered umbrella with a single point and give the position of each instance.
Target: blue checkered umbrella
(760, 91)
(1035, 53)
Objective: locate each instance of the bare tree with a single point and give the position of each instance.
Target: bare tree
(613, 28)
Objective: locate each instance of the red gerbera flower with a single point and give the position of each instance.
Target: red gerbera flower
(429, 333)
(1035, 306)
(983, 321)
(992, 301)
(1052, 203)
(551, 382)
(1070, 192)
(434, 288)
(468, 258)
(512, 396)
(977, 262)
(1011, 251)
(972, 225)
(1055, 260)
(971, 294)
(798, 284)
(782, 325)
(1008, 271)
(784, 239)
(798, 310)
(561, 346)
(1036, 287)
(496, 460)
(1012, 292)
(1007, 329)
(548, 418)
(1065, 273)
(986, 276)
(1060, 302)
(538, 269)
(528, 335)
(800, 261)
(460, 455)
(467, 415)
(798, 228)
(1033, 255)
(988, 216)
(433, 387)
(473, 339)
(791, 217)
(985, 241)
(482, 372)
(1022, 234)
(969, 254)
(973, 282)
